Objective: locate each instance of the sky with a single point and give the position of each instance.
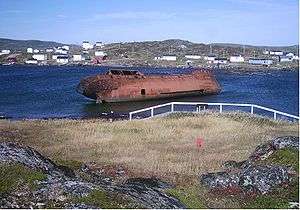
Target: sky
(255, 22)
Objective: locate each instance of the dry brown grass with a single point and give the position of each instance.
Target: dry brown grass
(159, 146)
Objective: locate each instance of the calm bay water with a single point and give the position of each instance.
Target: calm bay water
(49, 91)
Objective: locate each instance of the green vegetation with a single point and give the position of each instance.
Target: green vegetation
(12, 176)
(189, 196)
(286, 157)
(101, 199)
(72, 164)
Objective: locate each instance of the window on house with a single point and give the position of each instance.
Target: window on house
(143, 92)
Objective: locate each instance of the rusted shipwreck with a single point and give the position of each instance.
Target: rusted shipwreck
(125, 85)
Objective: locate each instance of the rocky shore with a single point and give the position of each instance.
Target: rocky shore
(87, 186)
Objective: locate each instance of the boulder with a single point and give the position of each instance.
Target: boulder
(285, 142)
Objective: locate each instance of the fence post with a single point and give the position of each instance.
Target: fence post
(221, 108)
(275, 115)
(152, 112)
(251, 109)
(130, 116)
(172, 107)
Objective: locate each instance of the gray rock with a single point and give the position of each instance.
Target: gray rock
(220, 180)
(286, 142)
(262, 152)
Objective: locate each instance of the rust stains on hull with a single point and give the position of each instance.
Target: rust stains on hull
(123, 85)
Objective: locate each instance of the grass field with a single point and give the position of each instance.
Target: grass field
(164, 147)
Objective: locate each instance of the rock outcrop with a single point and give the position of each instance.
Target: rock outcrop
(250, 177)
(62, 183)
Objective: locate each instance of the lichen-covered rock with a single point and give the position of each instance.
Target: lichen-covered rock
(220, 180)
(286, 142)
(263, 178)
(262, 152)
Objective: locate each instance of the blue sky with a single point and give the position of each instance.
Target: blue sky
(258, 22)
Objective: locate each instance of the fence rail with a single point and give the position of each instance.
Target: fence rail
(204, 106)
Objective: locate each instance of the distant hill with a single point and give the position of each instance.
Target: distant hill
(284, 48)
(24, 44)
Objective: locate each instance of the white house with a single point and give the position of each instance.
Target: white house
(260, 61)
(39, 57)
(29, 50)
(66, 47)
(87, 45)
(78, 58)
(99, 44)
(276, 53)
(168, 58)
(36, 51)
(195, 57)
(49, 50)
(5, 52)
(100, 53)
(266, 52)
(285, 59)
(237, 59)
(220, 61)
(209, 57)
(290, 55)
(62, 59)
(61, 51)
(296, 57)
(31, 61)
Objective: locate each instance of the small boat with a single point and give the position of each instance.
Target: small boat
(118, 85)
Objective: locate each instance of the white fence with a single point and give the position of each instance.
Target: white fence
(199, 106)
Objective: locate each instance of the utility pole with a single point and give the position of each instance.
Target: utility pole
(210, 49)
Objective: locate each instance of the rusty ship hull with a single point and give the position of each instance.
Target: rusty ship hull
(121, 85)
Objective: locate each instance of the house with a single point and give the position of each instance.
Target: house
(236, 59)
(36, 51)
(195, 57)
(39, 57)
(285, 59)
(266, 52)
(87, 45)
(99, 44)
(31, 61)
(78, 57)
(276, 53)
(260, 61)
(66, 47)
(220, 61)
(290, 55)
(100, 53)
(49, 50)
(5, 52)
(210, 57)
(29, 50)
(61, 51)
(296, 57)
(168, 58)
(62, 59)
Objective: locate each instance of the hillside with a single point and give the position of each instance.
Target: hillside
(23, 44)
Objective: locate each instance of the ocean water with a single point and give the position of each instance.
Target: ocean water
(35, 92)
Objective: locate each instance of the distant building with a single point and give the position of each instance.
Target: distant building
(276, 53)
(39, 57)
(87, 45)
(31, 61)
(61, 51)
(285, 59)
(236, 59)
(290, 55)
(168, 58)
(36, 51)
(220, 61)
(210, 57)
(5, 52)
(100, 53)
(62, 59)
(195, 57)
(78, 58)
(260, 61)
(296, 57)
(29, 50)
(49, 50)
(266, 52)
(99, 44)
(66, 47)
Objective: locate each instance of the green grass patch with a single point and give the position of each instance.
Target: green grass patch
(101, 199)
(189, 196)
(286, 157)
(11, 176)
(72, 164)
